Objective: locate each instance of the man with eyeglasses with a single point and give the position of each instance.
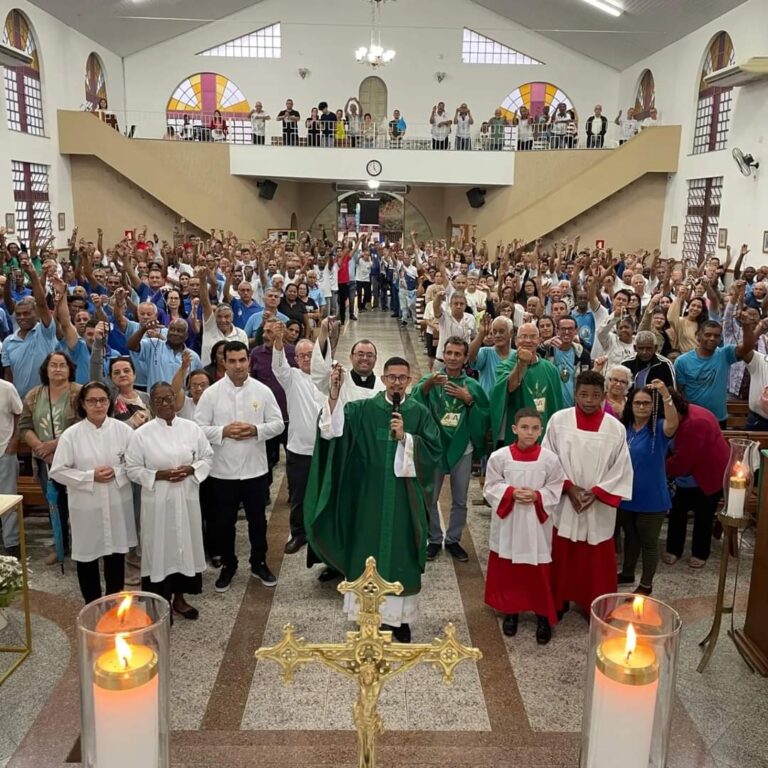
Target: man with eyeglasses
(647, 364)
(569, 359)
(387, 453)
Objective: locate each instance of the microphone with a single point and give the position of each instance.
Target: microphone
(395, 407)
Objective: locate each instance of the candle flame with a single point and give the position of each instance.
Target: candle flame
(638, 606)
(739, 470)
(631, 642)
(123, 650)
(124, 607)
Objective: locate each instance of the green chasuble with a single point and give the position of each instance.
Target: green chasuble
(457, 423)
(354, 505)
(540, 389)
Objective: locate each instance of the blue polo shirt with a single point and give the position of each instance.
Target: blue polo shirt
(161, 362)
(650, 492)
(705, 379)
(25, 356)
(255, 320)
(241, 313)
(485, 364)
(81, 357)
(138, 363)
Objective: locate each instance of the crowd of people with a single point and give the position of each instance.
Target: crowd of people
(154, 384)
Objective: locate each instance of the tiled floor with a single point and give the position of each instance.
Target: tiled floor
(521, 705)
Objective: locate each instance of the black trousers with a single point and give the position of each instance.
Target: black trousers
(272, 448)
(229, 494)
(595, 141)
(440, 143)
(364, 293)
(343, 300)
(297, 469)
(90, 580)
(704, 507)
(208, 511)
(258, 139)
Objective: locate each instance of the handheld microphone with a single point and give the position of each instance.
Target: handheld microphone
(395, 407)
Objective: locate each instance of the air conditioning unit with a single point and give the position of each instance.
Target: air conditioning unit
(13, 57)
(751, 71)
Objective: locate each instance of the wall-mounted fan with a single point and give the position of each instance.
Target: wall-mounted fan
(745, 162)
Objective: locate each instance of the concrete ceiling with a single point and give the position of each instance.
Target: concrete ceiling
(129, 26)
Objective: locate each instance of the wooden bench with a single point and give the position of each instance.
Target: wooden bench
(35, 502)
(738, 410)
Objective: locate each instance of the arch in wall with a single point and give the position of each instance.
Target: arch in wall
(198, 96)
(645, 97)
(535, 96)
(713, 107)
(23, 85)
(95, 81)
(372, 95)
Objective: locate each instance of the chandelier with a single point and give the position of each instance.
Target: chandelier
(375, 55)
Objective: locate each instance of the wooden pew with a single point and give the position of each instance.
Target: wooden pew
(738, 410)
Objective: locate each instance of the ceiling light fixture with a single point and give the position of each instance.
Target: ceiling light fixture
(607, 6)
(375, 55)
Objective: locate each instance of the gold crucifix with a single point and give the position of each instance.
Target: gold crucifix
(369, 655)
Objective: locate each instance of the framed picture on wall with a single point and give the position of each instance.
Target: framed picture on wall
(282, 235)
(62, 222)
(10, 223)
(722, 238)
(673, 235)
(765, 240)
(460, 234)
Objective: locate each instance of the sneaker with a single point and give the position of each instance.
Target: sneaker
(13, 551)
(264, 575)
(433, 550)
(642, 589)
(457, 552)
(225, 579)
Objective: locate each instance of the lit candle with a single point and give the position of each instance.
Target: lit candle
(737, 491)
(125, 617)
(640, 611)
(126, 701)
(623, 703)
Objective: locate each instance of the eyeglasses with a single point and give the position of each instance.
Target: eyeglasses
(165, 400)
(97, 400)
(623, 382)
(392, 378)
(642, 403)
(198, 385)
(58, 365)
(304, 356)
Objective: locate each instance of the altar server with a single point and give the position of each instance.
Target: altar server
(592, 449)
(169, 457)
(90, 461)
(523, 484)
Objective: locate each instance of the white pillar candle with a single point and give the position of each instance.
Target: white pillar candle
(623, 704)
(126, 702)
(737, 496)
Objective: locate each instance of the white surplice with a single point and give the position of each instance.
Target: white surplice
(589, 459)
(100, 514)
(519, 536)
(171, 523)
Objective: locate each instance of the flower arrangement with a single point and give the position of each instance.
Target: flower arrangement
(10, 580)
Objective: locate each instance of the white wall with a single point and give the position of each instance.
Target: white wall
(322, 37)
(63, 53)
(676, 69)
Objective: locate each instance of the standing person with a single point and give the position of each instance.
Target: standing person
(90, 462)
(10, 410)
(314, 129)
(289, 117)
(628, 127)
(592, 449)
(523, 380)
(238, 415)
(559, 127)
(327, 124)
(523, 485)
(388, 456)
(441, 126)
(259, 124)
(486, 359)
(646, 364)
(569, 359)
(218, 322)
(463, 121)
(169, 457)
(397, 128)
(454, 323)
(651, 420)
(353, 116)
(460, 408)
(596, 128)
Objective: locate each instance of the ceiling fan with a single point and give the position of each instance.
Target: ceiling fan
(745, 162)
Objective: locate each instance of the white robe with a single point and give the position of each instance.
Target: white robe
(349, 392)
(100, 514)
(519, 536)
(589, 459)
(171, 523)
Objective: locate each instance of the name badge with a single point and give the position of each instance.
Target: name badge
(540, 404)
(450, 420)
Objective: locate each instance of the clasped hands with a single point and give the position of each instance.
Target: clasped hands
(525, 495)
(581, 498)
(239, 430)
(175, 475)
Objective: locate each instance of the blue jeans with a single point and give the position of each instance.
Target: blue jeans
(9, 471)
(756, 422)
(460, 476)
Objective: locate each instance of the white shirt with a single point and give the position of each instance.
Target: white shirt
(463, 126)
(440, 132)
(212, 334)
(476, 300)
(649, 122)
(258, 123)
(10, 406)
(304, 402)
(253, 402)
(758, 372)
(628, 128)
(449, 326)
(363, 274)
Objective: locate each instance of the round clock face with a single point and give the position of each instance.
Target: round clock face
(373, 168)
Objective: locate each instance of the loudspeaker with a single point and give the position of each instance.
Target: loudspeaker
(476, 197)
(267, 189)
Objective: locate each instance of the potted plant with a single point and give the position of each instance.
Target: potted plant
(11, 584)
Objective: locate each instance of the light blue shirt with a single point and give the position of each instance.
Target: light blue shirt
(25, 356)
(141, 368)
(316, 294)
(161, 362)
(255, 320)
(486, 364)
(81, 357)
(705, 379)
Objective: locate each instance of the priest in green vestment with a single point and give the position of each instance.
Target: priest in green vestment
(524, 380)
(370, 485)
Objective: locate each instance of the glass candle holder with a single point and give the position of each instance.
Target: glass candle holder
(630, 685)
(739, 477)
(124, 670)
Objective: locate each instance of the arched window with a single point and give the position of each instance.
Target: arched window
(713, 113)
(535, 96)
(373, 98)
(197, 97)
(645, 99)
(95, 85)
(23, 91)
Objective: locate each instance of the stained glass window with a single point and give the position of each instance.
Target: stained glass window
(95, 84)
(702, 218)
(713, 111)
(479, 49)
(23, 91)
(32, 204)
(535, 96)
(645, 99)
(264, 43)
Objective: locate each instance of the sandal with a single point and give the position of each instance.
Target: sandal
(190, 613)
(669, 558)
(696, 562)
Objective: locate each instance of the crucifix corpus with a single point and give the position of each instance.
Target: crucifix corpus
(369, 656)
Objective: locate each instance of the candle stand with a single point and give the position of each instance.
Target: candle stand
(123, 644)
(630, 684)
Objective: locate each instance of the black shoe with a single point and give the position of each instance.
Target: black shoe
(457, 552)
(543, 630)
(215, 562)
(433, 550)
(353, 317)
(191, 613)
(624, 579)
(402, 633)
(225, 579)
(329, 574)
(566, 607)
(264, 575)
(643, 590)
(509, 625)
(394, 314)
(295, 544)
(13, 552)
